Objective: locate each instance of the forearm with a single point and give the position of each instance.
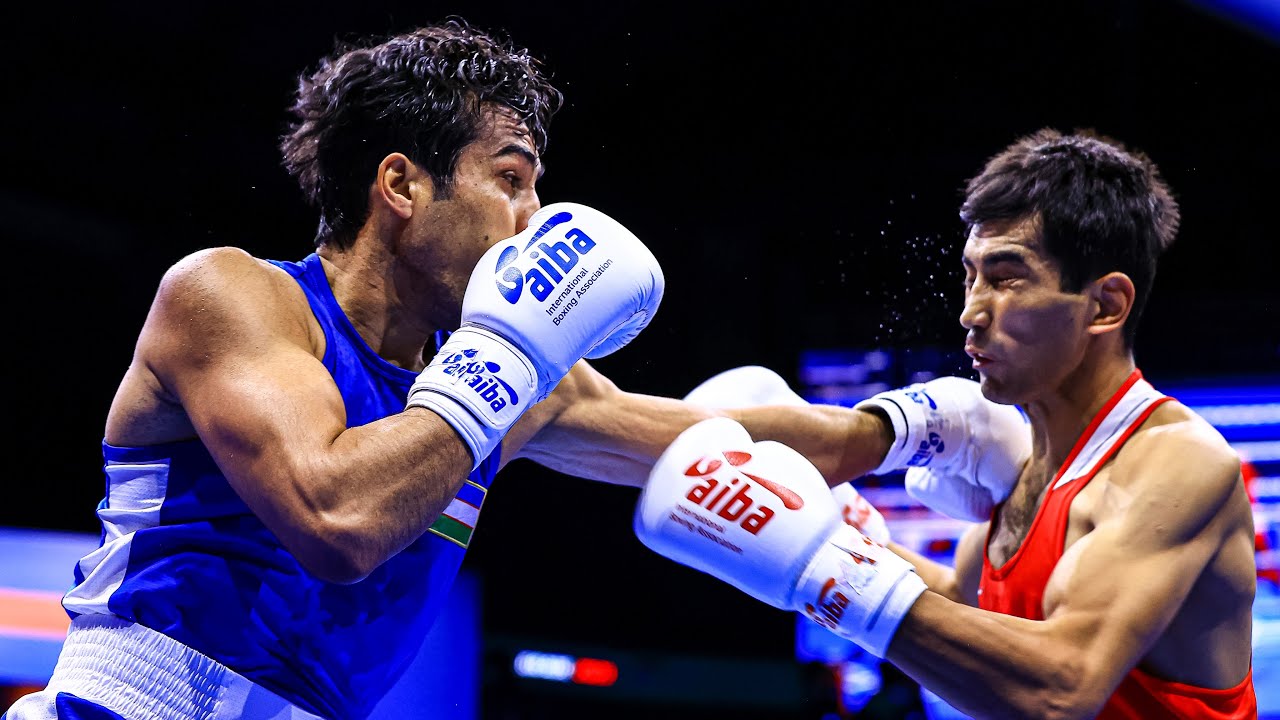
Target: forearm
(987, 664)
(841, 442)
(612, 437)
(345, 507)
(617, 436)
(590, 428)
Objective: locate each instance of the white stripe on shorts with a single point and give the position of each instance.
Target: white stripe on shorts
(144, 675)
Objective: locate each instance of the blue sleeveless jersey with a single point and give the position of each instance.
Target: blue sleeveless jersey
(183, 555)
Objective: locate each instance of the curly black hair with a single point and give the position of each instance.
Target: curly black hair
(1100, 207)
(422, 93)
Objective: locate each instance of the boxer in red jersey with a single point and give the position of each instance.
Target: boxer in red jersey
(1121, 566)
(1114, 574)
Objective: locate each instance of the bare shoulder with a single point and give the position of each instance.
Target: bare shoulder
(1178, 453)
(221, 276)
(211, 309)
(1175, 435)
(223, 297)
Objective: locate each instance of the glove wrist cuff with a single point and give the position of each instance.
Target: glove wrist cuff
(858, 589)
(909, 428)
(480, 384)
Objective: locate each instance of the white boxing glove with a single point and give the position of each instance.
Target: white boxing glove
(760, 517)
(752, 385)
(745, 386)
(858, 513)
(574, 284)
(962, 452)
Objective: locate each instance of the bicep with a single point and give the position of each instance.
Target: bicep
(262, 414)
(1131, 588)
(259, 400)
(1115, 591)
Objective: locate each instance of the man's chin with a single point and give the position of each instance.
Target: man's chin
(995, 390)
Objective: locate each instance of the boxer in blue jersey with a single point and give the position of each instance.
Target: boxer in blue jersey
(298, 453)
(297, 456)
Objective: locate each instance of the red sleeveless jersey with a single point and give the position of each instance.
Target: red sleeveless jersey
(1017, 587)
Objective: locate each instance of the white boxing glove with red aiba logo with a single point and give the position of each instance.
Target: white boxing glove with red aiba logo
(751, 385)
(759, 516)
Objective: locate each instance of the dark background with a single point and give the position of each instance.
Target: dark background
(795, 168)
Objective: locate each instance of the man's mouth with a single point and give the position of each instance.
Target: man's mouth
(980, 358)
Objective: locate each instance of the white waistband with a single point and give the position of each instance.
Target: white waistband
(144, 675)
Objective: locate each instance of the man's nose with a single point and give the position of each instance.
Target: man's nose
(525, 211)
(976, 312)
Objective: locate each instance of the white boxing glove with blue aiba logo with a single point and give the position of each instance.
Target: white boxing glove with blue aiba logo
(574, 284)
(962, 452)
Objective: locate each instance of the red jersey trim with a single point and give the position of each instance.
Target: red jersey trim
(1146, 679)
(1142, 696)
(1002, 572)
(1098, 417)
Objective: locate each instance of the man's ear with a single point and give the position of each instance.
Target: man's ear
(393, 186)
(1112, 296)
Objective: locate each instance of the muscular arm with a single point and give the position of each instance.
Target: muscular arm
(227, 342)
(841, 442)
(590, 428)
(1111, 596)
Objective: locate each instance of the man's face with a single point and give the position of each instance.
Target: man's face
(493, 198)
(1025, 333)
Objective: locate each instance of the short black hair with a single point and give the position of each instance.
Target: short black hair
(422, 93)
(1099, 207)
